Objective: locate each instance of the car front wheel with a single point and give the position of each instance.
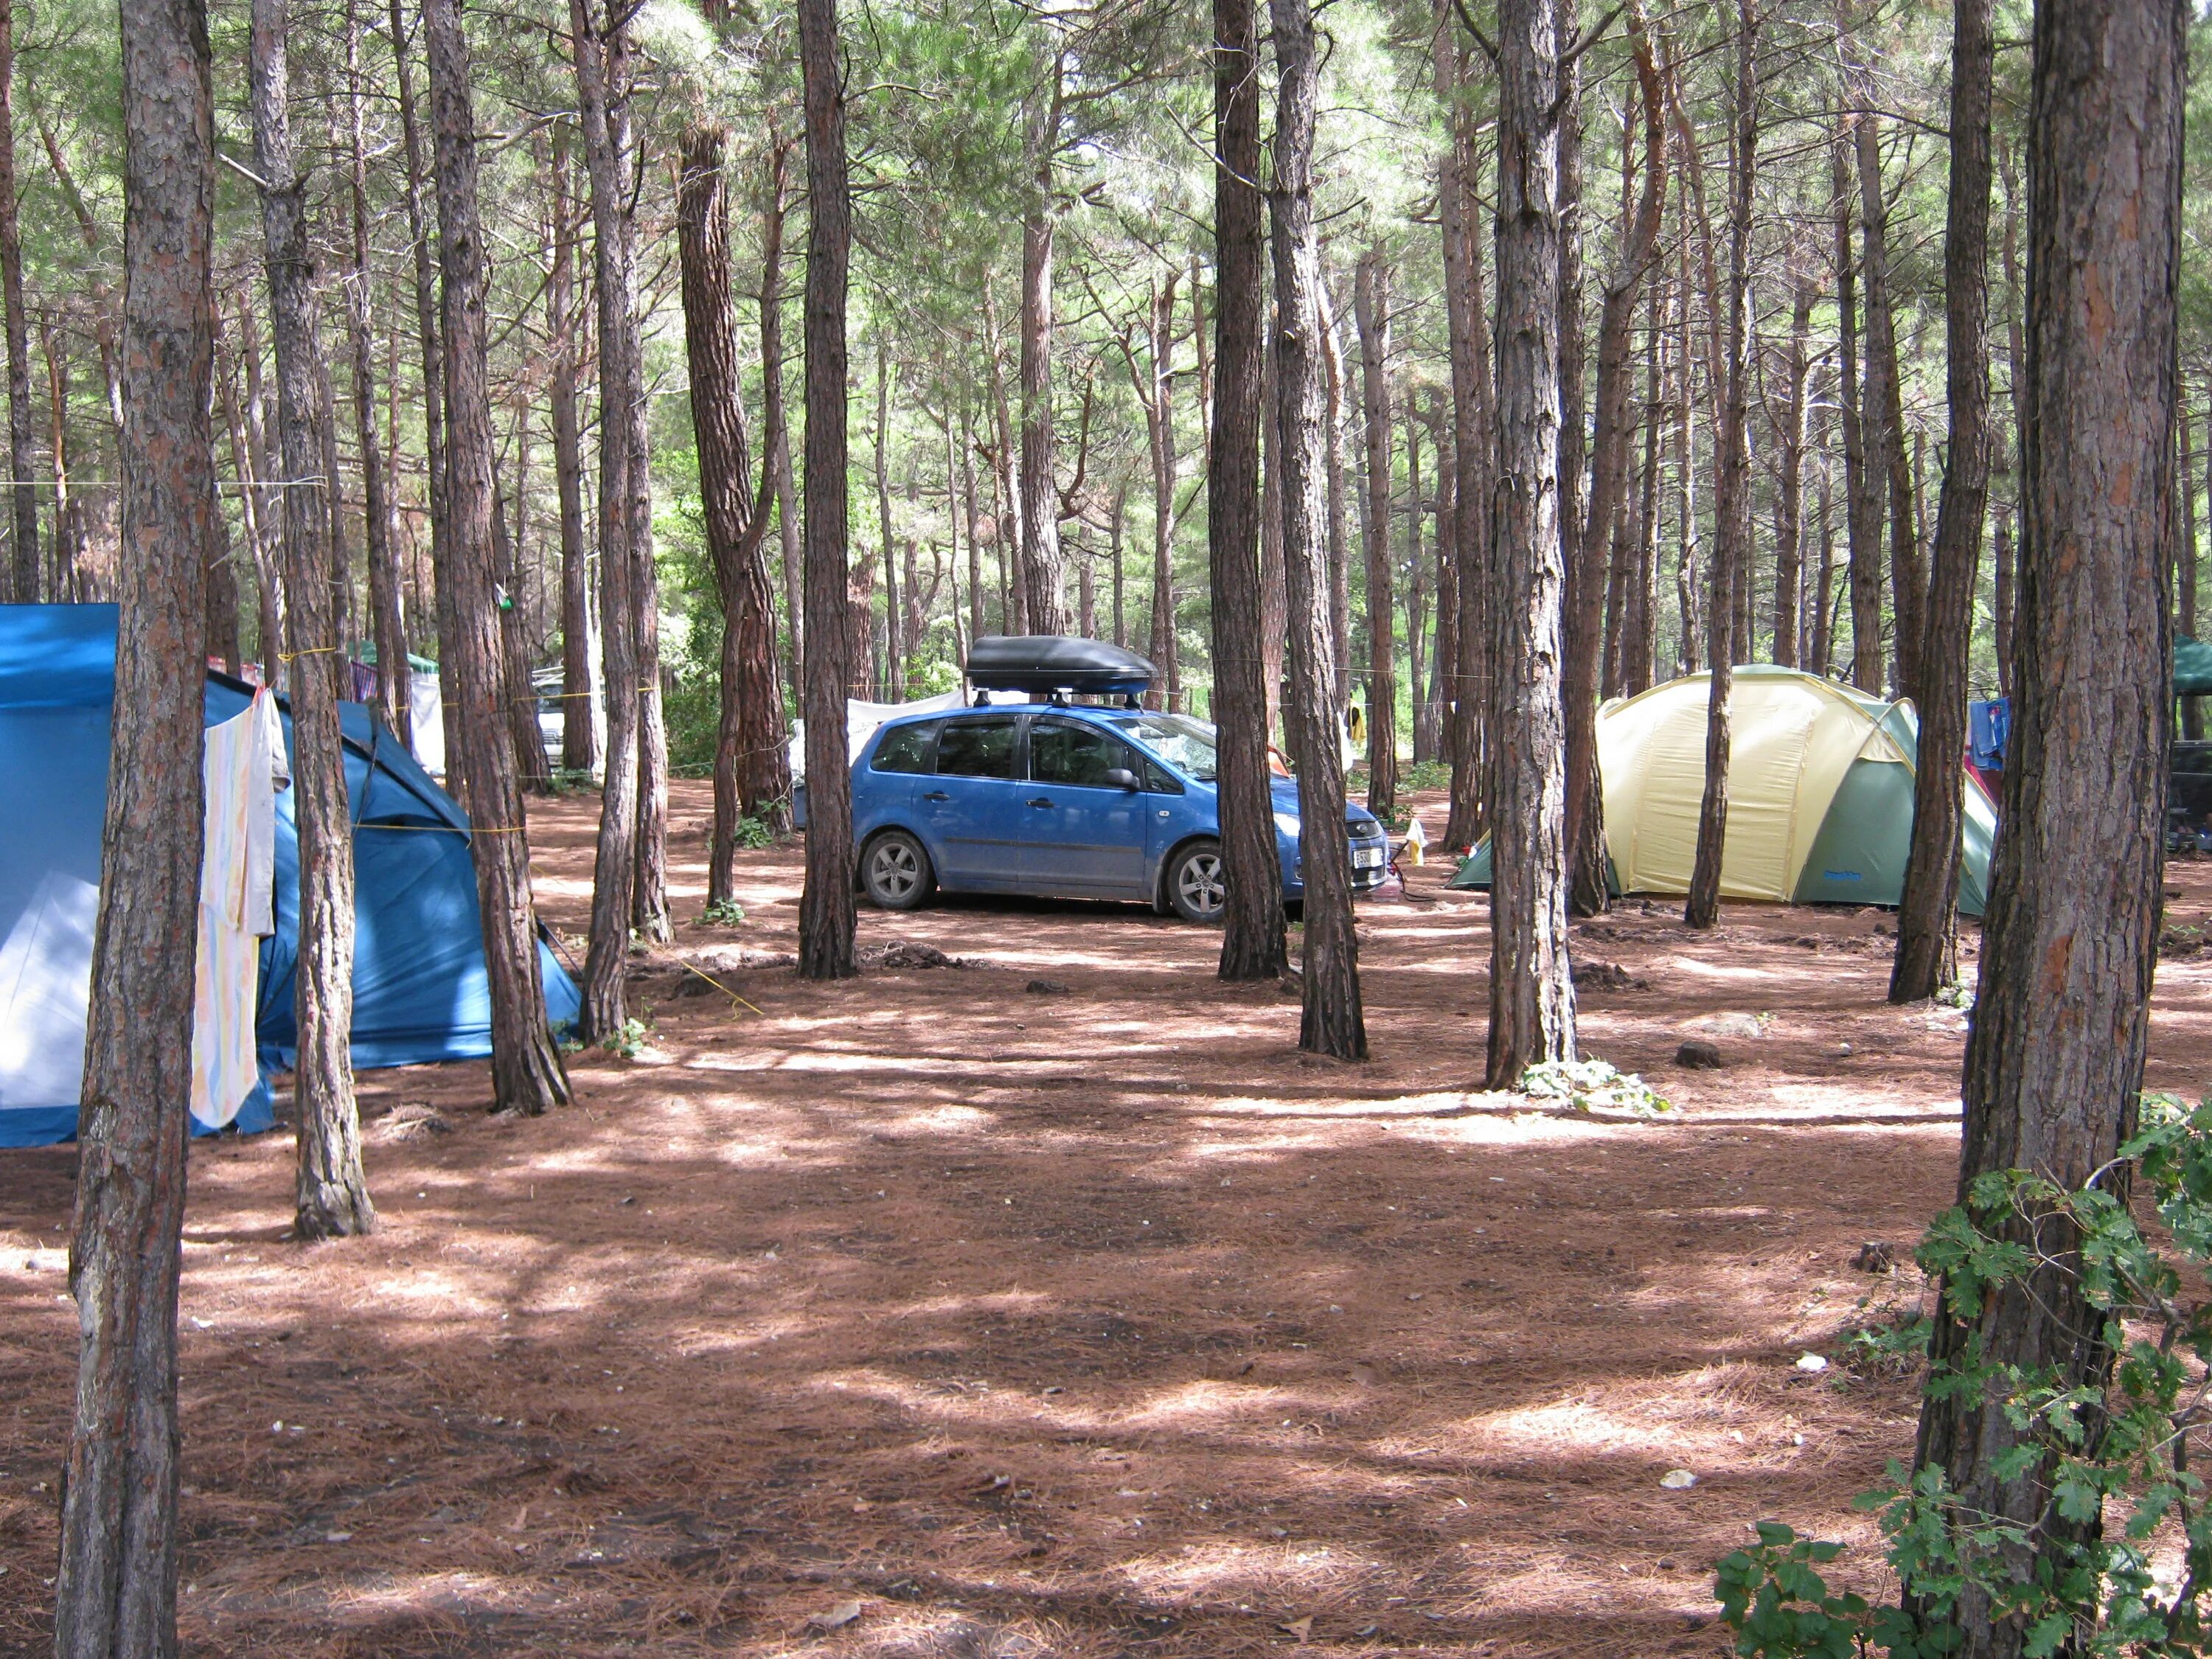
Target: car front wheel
(896, 873)
(1194, 883)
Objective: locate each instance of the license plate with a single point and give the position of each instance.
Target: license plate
(1367, 858)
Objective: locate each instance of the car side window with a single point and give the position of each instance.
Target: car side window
(1158, 781)
(1064, 752)
(905, 749)
(976, 748)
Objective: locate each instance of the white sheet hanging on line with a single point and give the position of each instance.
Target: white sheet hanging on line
(242, 765)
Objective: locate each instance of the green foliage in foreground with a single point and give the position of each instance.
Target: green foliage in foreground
(1593, 1085)
(2120, 1453)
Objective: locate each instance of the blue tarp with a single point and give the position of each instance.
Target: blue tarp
(1989, 729)
(420, 988)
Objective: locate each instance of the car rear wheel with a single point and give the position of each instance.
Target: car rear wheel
(895, 873)
(1194, 885)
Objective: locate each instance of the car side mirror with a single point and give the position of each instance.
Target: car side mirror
(1120, 777)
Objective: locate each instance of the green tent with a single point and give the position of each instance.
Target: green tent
(1820, 781)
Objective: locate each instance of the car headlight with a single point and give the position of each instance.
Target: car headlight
(1286, 825)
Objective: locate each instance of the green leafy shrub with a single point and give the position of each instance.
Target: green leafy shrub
(1593, 1085)
(724, 913)
(635, 1037)
(1429, 774)
(2115, 1453)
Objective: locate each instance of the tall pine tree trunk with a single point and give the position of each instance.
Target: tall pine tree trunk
(527, 1076)
(331, 1193)
(387, 619)
(1371, 309)
(1532, 996)
(1332, 1021)
(115, 1596)
(1863, 482)
(1928, 918)
(1789, 505)
(726, 492)
(1884, 401)
(426, 325)
(580, 697)
(1044, 579)
(1732, 488)
(22, 492)
(1340, 530)
(825, 905)
(1252, 945)
(1586, 597)
(2055, 1057)
(1475, 443)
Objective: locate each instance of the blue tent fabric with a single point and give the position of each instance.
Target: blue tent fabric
(421, 993)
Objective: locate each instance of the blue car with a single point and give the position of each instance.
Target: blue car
(1064, 802)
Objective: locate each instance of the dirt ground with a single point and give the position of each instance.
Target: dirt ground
(1049, 1305)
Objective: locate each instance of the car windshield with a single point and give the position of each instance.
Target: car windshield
(1185, 744)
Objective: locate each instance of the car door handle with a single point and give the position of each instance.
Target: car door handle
(1042, 800)
(937, 795)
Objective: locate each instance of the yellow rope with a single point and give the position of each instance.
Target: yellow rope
(719, 986)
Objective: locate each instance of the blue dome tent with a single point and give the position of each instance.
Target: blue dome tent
(420, 987)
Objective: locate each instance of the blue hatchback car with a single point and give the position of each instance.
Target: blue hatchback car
(1064, 802)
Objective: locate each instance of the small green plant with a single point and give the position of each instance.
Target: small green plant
(1593, 1085)
(724, 913)
(1429, 774)
(751, 832)
(2079, 1579)
(1957, 994)
(634, 1038)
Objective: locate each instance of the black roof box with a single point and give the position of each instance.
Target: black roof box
(1055, 662)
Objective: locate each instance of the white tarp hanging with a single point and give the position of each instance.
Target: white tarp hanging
(426, 718)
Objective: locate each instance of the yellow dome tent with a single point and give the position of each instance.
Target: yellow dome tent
(1819, 793)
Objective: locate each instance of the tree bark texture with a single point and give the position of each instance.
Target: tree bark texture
(331, 1192)
(1789, 504)
(825, 906)
(1155, 392)
(1587, 893)
(1474, 448)
(1532, 995)
(1252, 943)
(1862, 484)
(387, 618)
(22, 491)
(2055, 1057)
(520, 710)
(1928, 917)
(1332, 1022)
(1732, 484)
(616, 864)
(736, 513)
(580, 733)
(1885, 405)
(527, 1075)
(432, 347)
(115, 1594)
(1044, 576)
(1339, 532)
(1371, 309)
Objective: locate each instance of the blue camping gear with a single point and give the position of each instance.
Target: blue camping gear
(421, 991)
(1989, 733)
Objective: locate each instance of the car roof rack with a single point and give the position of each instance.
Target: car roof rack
(1056, 666)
